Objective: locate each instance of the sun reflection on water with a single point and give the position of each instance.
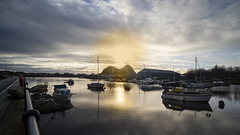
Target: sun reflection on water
(120, 95)
(117, 98)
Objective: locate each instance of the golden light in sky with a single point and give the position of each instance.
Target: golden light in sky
(121, 47)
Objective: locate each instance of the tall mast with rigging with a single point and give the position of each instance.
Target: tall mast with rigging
(195, 68)
(98, 68)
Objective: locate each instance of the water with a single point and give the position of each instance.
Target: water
(127, 110)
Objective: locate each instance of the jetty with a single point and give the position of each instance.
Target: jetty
(11, 110)
(20, 111)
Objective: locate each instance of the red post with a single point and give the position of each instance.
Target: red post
(21, 80)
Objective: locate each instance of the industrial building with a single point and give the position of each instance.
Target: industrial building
(158, 74)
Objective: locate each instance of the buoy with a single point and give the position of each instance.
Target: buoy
(221, 104)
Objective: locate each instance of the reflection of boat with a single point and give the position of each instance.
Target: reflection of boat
(62, 93)
(61, 114)
(186, 95)
(98, 107)
(97, 85)
(180, 106)
(127, 87)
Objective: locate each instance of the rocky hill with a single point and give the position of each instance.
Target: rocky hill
(126, 70)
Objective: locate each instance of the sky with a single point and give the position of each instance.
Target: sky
(68, 35)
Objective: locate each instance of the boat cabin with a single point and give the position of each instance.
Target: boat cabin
(63, 91)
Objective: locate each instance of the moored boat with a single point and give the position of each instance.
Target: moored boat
(187, 95)
(70, 81)
(95, 86)
(98, 85)
(195, 85)
(62, 93)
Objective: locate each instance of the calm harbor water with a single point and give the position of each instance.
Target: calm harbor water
(125, 109)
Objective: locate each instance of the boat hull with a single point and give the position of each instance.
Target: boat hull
(64, 97)
(96, 86)
(188, 97)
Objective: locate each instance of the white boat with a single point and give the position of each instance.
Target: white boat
(98, 85)
(187, 95)
(62, 93)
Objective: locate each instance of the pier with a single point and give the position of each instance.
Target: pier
(13, 119)
(11, 110)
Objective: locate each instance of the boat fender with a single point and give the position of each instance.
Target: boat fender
(21, 80)
(221, 104)
(33, 112)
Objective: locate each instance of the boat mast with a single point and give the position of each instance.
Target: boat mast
(144, 76)
(98, 68)
(195, 68)
(173, 75)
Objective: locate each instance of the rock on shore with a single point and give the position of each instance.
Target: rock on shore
(39, 89)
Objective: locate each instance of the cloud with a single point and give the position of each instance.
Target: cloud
(39, 26)
(69, 29)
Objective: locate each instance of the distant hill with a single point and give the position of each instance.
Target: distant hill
(127, 71)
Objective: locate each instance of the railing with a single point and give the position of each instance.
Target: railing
(31, 116)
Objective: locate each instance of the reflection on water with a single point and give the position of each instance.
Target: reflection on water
(53, 116)
(229, 92)
(193, 106)
(181, 106)
(123, 108)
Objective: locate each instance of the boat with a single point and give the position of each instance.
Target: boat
(150, 87)
(146, 81)
(98, 85)
(187, 95)
(70, 81)
(195, 84)
(219, 83)
(170, 84)
(62, 93)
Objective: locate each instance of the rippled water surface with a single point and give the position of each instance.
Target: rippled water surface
(125, 109)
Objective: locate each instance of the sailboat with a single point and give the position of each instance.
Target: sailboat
(98, 85)
(194, 84)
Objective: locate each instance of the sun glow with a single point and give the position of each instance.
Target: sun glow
(120, 48)
(120, 96)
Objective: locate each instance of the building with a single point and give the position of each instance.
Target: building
(158, 74)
